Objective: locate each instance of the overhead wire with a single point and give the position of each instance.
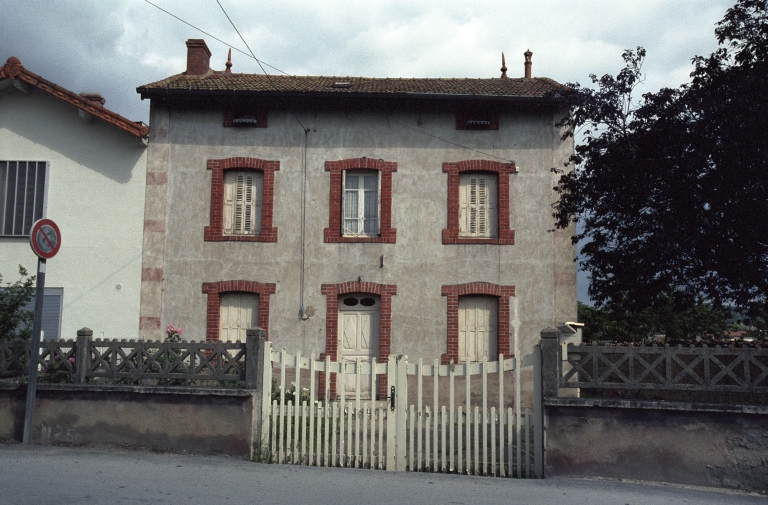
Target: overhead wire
(218, 39)
(260, 62)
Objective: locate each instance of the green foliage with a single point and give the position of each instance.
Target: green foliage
(672, 316)
(669, 189)
(15, 321)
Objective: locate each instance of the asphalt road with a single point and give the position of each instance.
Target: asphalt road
(42, 475)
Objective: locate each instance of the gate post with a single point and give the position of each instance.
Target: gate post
(82, 355)
(258, 377)
(401, 409)
(551, 365)
(392, 416)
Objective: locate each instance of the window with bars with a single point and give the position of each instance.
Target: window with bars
(478, 205)
(22, 196)
(242, 202)
(361, 203)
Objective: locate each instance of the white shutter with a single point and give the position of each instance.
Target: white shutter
(492, 206)
(464, 206)
(477, 328)
(229, 199)
(478, 205)
(243, 195)
(343, 202)
(238, 312)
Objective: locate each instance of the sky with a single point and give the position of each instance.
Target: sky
(114, 46)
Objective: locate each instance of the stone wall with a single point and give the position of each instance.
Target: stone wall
(687, 443)
(196, 419)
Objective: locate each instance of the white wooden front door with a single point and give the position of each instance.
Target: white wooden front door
(239, 311)
(359, 336)
(477, 328)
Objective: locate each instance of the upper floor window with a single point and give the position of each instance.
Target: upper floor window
(478, 202)
(242, 202)
(361, 204)
(360, 201)
(478, 205)
(475, 120)
(22, 196)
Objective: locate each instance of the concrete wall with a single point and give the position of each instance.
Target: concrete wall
(686, 443)
(200, 419)
(96, 195)
(540, 264)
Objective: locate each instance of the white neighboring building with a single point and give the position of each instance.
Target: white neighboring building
(66, 157)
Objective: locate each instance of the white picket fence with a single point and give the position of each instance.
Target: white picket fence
(488, 437)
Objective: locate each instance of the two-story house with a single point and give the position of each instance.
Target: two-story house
(355, 217)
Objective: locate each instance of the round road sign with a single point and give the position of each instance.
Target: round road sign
(45, 238)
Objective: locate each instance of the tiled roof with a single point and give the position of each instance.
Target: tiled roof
(13, 69)
(534, 88)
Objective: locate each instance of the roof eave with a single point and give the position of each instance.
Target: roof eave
(181, 93)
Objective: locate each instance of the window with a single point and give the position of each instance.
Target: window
(479, 321)
(235, 306)
(242, 203)
(22, 196)
(477, 328)
(477, 120)
(245, 119)
(478, 203)
(361, 204)
(52, 308)
(360, 201)
(242, 200)
(238, 312)
(478, 210)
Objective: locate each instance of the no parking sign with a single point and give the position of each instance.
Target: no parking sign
(45, 238)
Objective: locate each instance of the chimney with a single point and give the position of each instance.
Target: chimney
(94, 97)
(198, 57)
(528, 63)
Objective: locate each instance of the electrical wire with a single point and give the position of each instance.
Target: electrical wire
(511, 162)
(218, 39)
(306, 130)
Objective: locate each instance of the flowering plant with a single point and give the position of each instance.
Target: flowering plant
(173, 334)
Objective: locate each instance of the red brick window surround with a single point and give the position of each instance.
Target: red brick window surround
(215, 231)
(505, 236)
(332, 293)
(215, 289)
(387, 234)
(453, 292)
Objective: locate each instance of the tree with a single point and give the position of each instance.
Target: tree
(15, 320)
(669, 189)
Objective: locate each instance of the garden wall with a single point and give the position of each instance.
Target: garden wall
(687, 443)
(163, 418)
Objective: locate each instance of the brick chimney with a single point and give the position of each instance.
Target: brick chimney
(94, 97)
(198, 57)
(528, 63)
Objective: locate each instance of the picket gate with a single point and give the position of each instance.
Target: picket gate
(458, 436)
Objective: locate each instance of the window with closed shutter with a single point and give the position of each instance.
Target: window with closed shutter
(478, 205)
(477, 328)
(242, 202)
(360, 203)
(239, 311)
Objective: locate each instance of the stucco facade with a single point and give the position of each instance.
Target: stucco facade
(94, 192)
(411, 267)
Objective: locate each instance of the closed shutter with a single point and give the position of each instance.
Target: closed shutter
(238, 312)
(53, 299)
(478, 205)
(477, 328)
(243, 194)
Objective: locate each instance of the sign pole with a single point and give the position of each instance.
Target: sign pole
(34, 351)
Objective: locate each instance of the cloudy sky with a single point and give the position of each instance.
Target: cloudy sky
(113, 46)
